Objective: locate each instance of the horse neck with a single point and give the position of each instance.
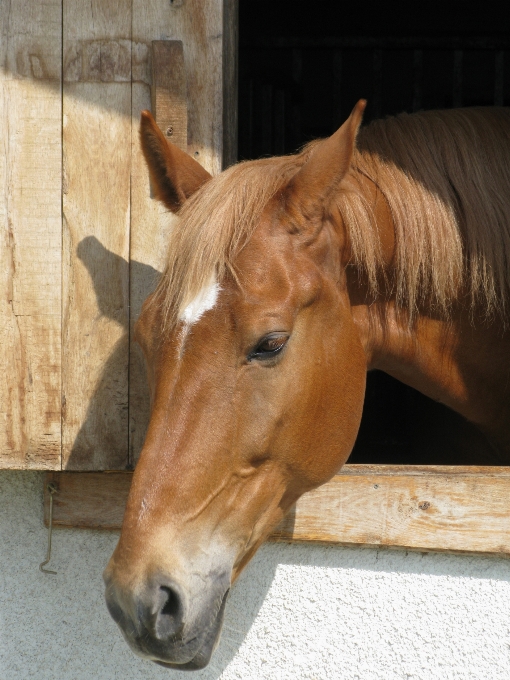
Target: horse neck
(442, 358)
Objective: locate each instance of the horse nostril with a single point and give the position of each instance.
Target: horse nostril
(172, 604)
(169, 619)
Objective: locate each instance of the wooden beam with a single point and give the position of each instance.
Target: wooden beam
(88, 500)
(436, 508)
(168, 91)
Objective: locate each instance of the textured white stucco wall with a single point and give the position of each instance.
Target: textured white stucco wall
(305, 611)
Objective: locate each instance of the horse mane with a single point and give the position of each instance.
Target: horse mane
(445, 176)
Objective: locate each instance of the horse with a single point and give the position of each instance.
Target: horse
(384, 247)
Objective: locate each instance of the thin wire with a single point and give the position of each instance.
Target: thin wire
(52, 489)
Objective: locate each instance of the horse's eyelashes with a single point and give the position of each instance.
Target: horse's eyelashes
(269, 346)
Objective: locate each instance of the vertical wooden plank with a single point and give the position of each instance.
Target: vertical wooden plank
(168, 90)
(30, 241)
(97, 157)
(200, 25)
(230, 81)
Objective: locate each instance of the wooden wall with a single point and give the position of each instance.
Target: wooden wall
(82, 241)
(31, 233)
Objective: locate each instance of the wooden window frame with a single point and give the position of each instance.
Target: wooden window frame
(413, 507)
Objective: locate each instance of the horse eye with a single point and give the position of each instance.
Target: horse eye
(269, 346)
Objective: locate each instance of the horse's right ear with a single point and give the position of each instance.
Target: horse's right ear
(315, 184)
(175, 176)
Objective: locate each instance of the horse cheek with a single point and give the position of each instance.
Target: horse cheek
(342, 380)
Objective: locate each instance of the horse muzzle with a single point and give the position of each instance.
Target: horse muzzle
(162, 621)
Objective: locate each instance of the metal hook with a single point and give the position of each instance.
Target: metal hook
(51, 490)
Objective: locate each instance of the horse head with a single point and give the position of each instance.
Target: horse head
(257, 377)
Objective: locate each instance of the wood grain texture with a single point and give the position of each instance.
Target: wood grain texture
(168, 90)
(230, 80)
(97, 159)
(199, 24)
(30, 241)
(91, 500)
(456, 509)
(69, 279)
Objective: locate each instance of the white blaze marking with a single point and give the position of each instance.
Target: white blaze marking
(204, 301)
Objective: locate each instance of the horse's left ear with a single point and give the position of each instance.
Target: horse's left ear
(175, 176)
(314, 185)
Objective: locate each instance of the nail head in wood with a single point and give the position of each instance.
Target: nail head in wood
(169, 90)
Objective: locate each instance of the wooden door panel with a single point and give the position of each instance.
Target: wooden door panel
(82, 241)
(31, 227)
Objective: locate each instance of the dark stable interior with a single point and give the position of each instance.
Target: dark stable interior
(302, 67)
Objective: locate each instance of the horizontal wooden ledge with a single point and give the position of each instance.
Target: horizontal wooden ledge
(437, 508)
